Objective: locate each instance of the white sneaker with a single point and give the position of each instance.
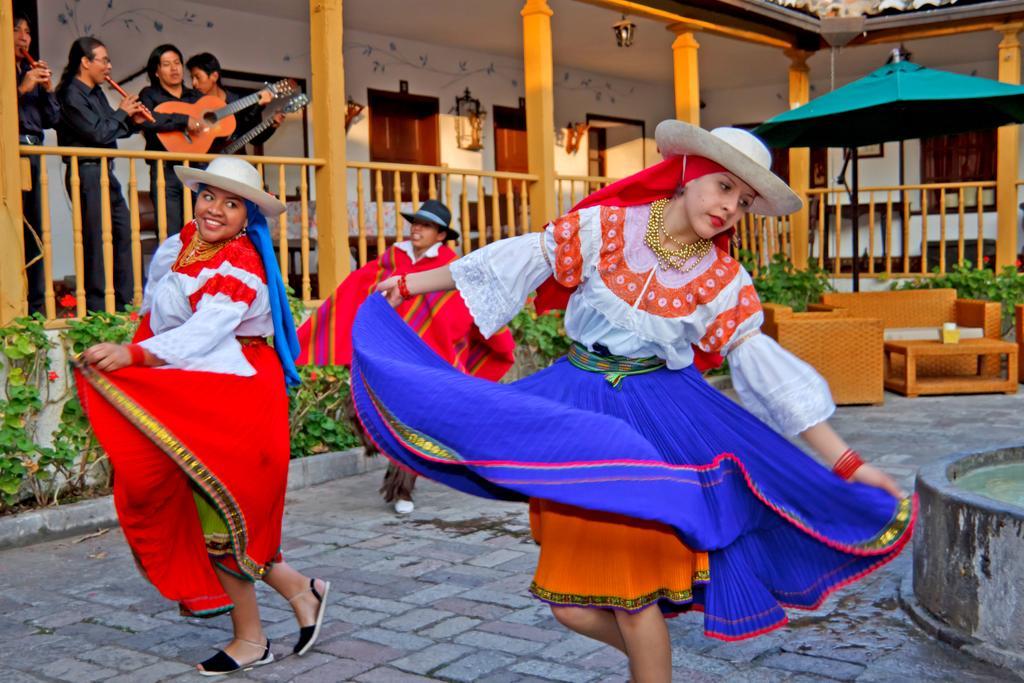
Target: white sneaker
(404, 507)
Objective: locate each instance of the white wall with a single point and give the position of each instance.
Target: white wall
(380, 62)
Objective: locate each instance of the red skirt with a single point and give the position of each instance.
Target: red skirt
(170, 432)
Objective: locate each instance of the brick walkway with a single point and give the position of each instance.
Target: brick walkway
(441, 595)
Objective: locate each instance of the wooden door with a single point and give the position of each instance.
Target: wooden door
(510, 142)
(404, 130)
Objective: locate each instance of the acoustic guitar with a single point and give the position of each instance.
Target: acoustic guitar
(293, 105)
(217, 115)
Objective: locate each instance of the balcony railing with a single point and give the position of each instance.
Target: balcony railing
(904, 230)
(570, 189)
(486, 205)
(278, 173)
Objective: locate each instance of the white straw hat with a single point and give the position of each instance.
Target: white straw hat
(740, 152)
(236, 176)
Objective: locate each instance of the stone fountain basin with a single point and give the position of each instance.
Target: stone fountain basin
(968, 579)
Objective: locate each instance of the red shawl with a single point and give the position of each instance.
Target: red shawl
(440, 318)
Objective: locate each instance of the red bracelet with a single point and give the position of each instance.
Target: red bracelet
(848, 463)
(403, 288)
(138, 354)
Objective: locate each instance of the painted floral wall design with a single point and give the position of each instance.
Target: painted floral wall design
(90, 18)
(380, 59)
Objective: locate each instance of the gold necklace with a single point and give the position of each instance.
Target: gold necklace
(200, 250)
(675, 259)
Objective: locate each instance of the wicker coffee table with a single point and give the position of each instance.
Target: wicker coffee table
(909, 384)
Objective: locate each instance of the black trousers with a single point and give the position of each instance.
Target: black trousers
(172, 192)
(31, 209)
(92, 237)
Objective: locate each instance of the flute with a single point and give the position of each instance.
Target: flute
(145, 112)
(31, 62)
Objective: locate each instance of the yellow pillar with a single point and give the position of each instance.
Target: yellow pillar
(538, 81)
(328, 103)
(799, 157)
(685, 75)
(12, 247)
(1008, 153)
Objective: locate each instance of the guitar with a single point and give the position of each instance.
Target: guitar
(293, 105)
(217, 115)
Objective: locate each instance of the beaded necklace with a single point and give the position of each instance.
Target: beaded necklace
(675, 259)
(200, 250)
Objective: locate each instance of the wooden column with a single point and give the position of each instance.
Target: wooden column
(538, 81)
(799, 157)
(685, 75)
(12, 248)
(328, 103)
(1008, 151)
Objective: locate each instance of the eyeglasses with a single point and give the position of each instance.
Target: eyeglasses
(102, 60)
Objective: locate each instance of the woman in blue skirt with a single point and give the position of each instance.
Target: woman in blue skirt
(651, 492)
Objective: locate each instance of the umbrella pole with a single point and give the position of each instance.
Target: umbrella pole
(855, 219)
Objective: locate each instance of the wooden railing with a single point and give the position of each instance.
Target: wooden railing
(570, 189)
(904, 230)
(486, 205)
(763, 237)
(275, 171)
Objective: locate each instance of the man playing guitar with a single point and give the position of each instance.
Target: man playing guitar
(205, 71)
(167, 84)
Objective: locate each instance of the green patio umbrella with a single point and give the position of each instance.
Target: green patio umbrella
(899, 101)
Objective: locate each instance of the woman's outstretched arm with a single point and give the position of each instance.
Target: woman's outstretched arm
(436, 280)
(829, 445)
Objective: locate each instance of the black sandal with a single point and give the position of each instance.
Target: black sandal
(309, 634)
(222, 664)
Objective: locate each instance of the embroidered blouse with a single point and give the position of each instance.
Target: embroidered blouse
(199, 303)
(626, 302)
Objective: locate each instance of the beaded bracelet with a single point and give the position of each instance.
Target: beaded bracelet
(848, 463)
(138, 354)
(403, 288)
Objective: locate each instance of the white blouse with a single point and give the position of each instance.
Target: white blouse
(625, 301)
(197, 312)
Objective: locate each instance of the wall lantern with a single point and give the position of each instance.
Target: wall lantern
(469, 122)
(624, 30)
(352, 110)
(574, 135)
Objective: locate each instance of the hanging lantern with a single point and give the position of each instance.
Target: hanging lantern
(624, 31)
(469, 122)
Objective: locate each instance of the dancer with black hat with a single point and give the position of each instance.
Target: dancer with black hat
(441, 320)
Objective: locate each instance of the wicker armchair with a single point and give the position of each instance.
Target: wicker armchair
(846, 351)
(1018, 327)
(923, 308)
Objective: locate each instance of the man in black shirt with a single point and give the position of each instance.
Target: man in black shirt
(37, 111)
(166, 71)
(205, 71)
(88, 120)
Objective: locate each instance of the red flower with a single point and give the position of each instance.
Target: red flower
(133, 316)
(986, 259)
(312, 377)
(53, 376)
(1018, 263)
(68, 301)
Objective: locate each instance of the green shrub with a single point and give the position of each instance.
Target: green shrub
(319, 413)
(781, 283)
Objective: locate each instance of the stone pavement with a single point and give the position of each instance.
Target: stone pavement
(441, 595)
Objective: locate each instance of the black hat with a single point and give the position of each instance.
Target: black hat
(433, 211)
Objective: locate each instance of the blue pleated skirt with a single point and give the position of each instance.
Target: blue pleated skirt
(780, 530)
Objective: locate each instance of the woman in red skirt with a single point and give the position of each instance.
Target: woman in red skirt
(194, 417)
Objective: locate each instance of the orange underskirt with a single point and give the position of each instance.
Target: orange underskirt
(599, 559)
